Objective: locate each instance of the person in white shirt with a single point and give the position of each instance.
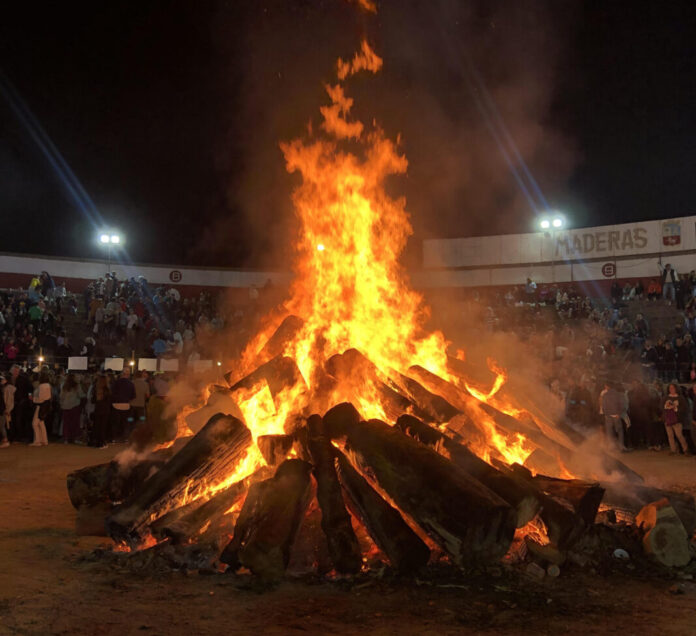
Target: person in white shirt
(42, 405)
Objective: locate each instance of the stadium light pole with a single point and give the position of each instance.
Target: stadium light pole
(109, 239)
(552, 223)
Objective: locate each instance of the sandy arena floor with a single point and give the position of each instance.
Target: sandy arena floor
(47, 588)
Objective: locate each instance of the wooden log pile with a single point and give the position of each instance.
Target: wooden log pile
(412, 487)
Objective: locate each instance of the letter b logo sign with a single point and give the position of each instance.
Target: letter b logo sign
(609, 270)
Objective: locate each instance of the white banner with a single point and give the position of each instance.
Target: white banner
(170, 365)
(113, 364)
(606, 242)
(77, 363)
(147, 364)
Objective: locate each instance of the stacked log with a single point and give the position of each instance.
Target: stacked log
(214, 450)
(269, 520)
(478, 528)
(335, 520)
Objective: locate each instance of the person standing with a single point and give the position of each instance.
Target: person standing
(614, 405)
(674, 409)
(142, 393)
(6, 405)
(42, 408)
(122, 392)
(70, 398)
(23, 407)
(669, 283)
(101, 397)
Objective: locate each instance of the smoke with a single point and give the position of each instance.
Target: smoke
(454, 73)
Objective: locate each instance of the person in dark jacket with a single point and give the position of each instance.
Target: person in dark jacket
(639, 414)
(669, 283)
(614, 406)
(122, 393)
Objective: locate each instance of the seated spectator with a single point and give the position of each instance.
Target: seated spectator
(641, 326)
(654, 289)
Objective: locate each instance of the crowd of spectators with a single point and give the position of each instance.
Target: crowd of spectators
(31, 321)
(638, 416)
(95, 408)
(133, 316)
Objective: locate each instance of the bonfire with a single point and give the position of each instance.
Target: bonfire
(345, 426)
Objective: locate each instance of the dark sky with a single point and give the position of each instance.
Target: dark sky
(169, 114)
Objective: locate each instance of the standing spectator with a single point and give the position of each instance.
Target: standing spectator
(70, 398)
(22, 411)
(4, 412)
(101, 398)
(648, 360)
(122, 392)
(42, 409)
(131, 326)
(669, 281)
(656, 430)
(674, 409)
(142, 393)
(614, 405)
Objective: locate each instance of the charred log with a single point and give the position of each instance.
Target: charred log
(340, 419)
(469, 521)
(215, 449)
(335, 519)
(583, 496)
(114, 481)
(269, 520)
(191, 523)
(522, 496)
(405, 550)
(564, 526)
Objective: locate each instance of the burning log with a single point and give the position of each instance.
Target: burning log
(352, 369)
(275, 345)
(665, 538)
(515, 491)
(269, 520)
(335, 520)
(218, 402)
(190, 523)
(469, 521)
(437, 408)
(585, 497)
(405, 550)
(285, 333)
(90, 485)
(279, 373)
(339, 419)
(468, 405)
(274, 448)
(563, 525)
(217, 447)
(114, 481)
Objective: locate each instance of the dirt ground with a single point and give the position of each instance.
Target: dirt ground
(47, 586)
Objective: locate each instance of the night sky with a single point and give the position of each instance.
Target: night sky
(169, 115)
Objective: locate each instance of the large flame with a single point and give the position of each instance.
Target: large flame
(349, 288)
